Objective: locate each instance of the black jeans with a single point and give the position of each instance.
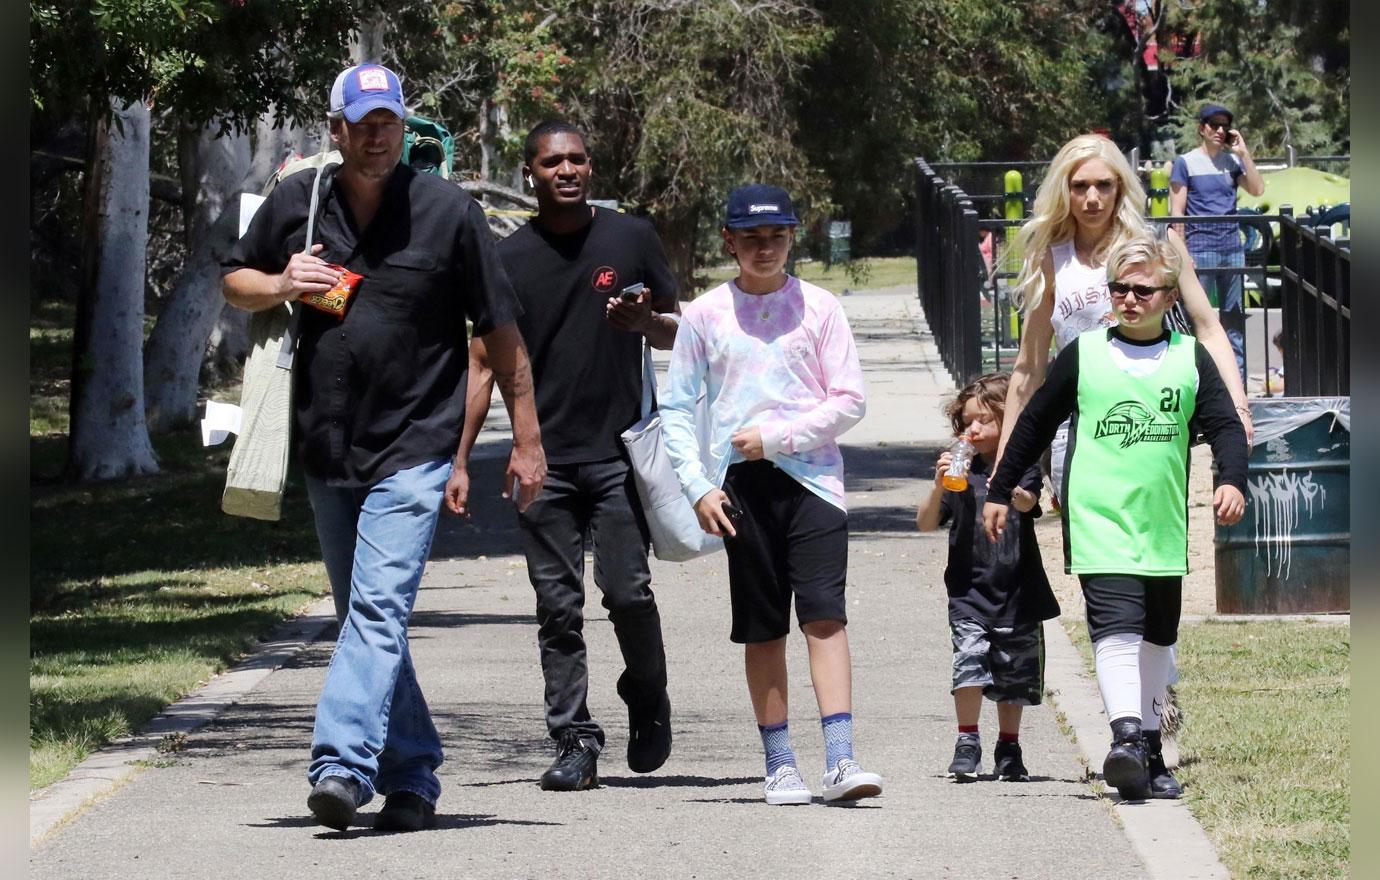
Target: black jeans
(597, 498)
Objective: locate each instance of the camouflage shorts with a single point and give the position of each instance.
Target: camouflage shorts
(1007, 662)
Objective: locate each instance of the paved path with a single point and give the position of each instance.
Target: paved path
(232, 802)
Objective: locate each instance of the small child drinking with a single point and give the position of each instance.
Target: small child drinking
(998, 592)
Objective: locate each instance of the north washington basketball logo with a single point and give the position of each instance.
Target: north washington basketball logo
(1133, 423)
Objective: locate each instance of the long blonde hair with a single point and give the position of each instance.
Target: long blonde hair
(1052, 221)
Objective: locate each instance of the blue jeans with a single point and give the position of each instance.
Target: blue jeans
(597, 498)
(372, 722)
(1226, 291)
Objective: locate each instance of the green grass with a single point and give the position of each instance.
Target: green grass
(140, 589)
(1266, 746)
(1265, 750)
(859, 274)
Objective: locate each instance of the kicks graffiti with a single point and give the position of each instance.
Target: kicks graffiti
(1276, 500)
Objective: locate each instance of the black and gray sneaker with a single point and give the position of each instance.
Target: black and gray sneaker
(1008, 764)
(1163, 785)
(1125, 767)
(576, 767)
(967, 757)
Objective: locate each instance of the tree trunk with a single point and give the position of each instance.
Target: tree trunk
(214, 171)
(108, 435)
(678, 236)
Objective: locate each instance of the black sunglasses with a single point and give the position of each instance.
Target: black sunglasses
(1143, 292)
(1220, 126)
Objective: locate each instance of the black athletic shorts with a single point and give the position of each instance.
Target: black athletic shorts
(790, 542)
(1133, 603)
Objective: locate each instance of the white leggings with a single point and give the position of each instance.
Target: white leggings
(1132, 675)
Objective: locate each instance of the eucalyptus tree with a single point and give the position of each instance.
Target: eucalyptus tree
(115, 63)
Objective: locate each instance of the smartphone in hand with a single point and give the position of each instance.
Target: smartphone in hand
(630, 293)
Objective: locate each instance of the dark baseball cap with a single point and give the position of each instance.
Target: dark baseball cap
(1211, 110)
(758, 204)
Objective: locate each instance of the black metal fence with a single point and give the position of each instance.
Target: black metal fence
(950, 271)
(966, 268)
(1316, 309)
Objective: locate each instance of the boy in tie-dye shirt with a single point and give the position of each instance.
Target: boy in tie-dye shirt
(776, 359)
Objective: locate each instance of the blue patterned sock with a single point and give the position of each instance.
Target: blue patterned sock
(776, 741)
(838, 738)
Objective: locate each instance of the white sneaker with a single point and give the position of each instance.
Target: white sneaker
(786, 787)
(848, 782)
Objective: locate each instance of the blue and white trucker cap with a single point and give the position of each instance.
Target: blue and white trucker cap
(366, 87)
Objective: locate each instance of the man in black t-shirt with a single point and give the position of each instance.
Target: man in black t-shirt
(568, 266)
(377, 411)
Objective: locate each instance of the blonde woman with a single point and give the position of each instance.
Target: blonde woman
(1089, 203)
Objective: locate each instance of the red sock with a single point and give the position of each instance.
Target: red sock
(968, 728)
(1009, 737)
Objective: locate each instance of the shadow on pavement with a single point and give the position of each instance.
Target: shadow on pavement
(444, 822)
(673, 781)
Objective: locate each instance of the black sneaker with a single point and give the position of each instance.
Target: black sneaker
(1125, 767)
(967, 757)
(575, 767)
(649, 735)
(333, 801)
(1163, 785)
(1008, 764)
(405, 811)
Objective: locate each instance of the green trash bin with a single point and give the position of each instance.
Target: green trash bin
(1291, 551)
(840, 240)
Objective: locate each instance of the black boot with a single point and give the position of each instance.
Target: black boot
(1162, 782)
(649, 734)
(1125, 768)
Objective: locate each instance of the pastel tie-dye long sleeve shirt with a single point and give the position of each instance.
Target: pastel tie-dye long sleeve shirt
(784, 362)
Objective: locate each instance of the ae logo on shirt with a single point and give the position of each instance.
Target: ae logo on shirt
(604, 279)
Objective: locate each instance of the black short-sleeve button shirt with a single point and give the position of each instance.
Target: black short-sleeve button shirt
(384, 389)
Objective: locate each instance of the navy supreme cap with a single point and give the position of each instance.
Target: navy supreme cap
(1211, 110)
(758, 204)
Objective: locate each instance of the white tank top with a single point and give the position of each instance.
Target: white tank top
(1081, 301)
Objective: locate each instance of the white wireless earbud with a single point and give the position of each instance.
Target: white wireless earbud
(528, 178)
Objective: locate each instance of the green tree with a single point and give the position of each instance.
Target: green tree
(681, 100)
(954, 80)
(109, 62)
(1282, 66)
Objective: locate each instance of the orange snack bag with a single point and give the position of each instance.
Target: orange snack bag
(336, 300)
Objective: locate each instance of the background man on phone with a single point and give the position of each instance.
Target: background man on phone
(378, 404)
(1202, 182)
(570, 267)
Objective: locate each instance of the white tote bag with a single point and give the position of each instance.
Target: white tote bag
(675, 530)
(259, 460)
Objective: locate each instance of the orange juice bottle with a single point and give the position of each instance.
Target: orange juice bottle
(955, 479)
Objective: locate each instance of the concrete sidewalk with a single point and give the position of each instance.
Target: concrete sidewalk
(231, 803)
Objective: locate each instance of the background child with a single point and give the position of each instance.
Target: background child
(1137, 393)
(777, 360)
(998, 592)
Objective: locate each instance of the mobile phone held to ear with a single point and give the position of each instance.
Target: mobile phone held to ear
(630, 293)
(1229, 139)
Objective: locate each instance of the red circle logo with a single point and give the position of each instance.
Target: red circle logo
(604, 279)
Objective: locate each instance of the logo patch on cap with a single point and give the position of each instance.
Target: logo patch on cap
(764, 209)
(373, 80)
